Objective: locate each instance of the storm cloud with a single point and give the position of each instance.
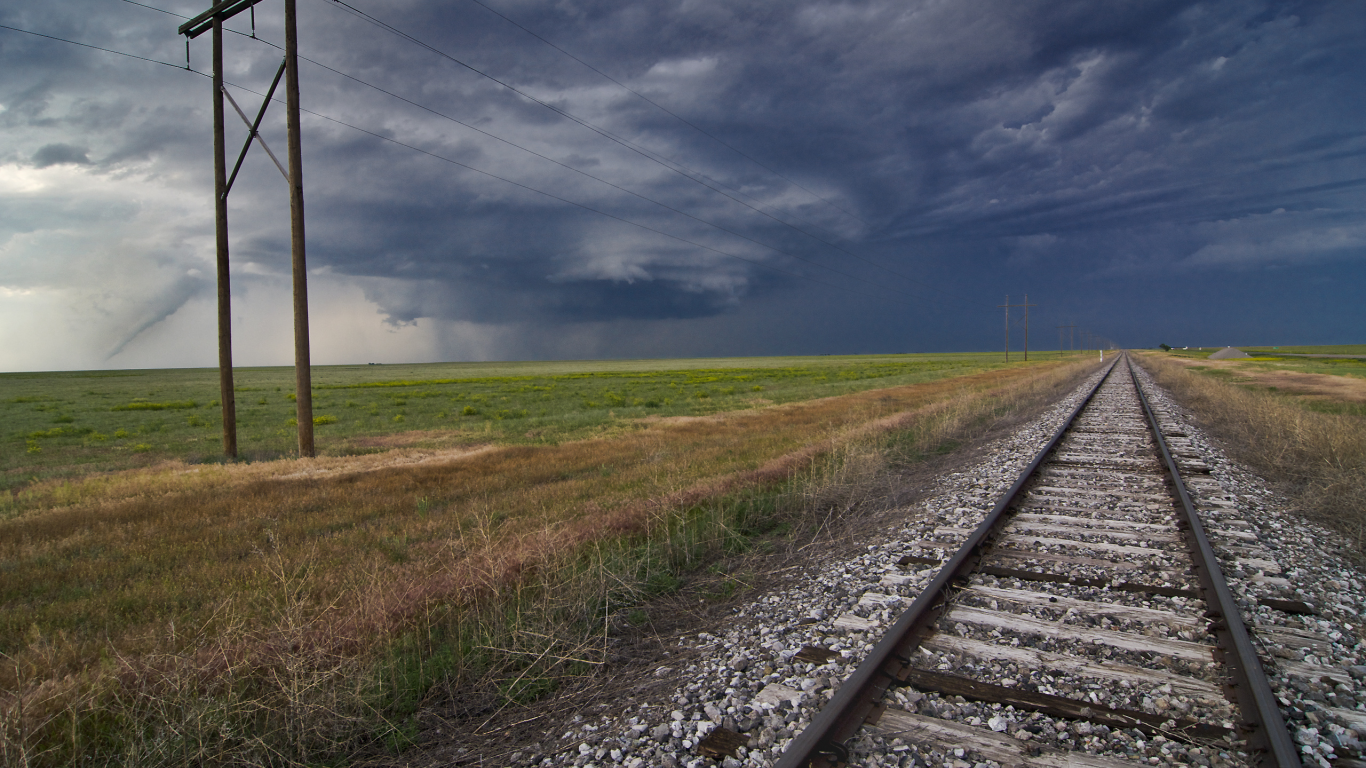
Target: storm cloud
(513, 179)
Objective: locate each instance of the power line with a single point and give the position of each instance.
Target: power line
(160, 10)
(95, 47)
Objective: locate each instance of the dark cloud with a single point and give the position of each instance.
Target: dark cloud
(899, 164)
(55, 154)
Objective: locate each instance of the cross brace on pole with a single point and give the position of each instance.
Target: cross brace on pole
(254, 127)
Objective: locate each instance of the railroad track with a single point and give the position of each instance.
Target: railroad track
(1089, 597)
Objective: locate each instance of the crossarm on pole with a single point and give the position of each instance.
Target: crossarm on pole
(223, 9)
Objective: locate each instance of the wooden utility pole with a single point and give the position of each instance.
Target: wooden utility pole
(227, 395)
(1007, 306)
(303, 375)
(213, 19)
(1071, 338)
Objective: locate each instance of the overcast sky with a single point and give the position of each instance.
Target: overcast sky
(787, 178)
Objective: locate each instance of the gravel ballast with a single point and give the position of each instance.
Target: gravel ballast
(743, 676)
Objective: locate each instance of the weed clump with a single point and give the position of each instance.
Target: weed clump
(142, 405)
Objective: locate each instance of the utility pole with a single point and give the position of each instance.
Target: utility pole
(1007, 306)
(213, 19)
(303, 374)
(227, 395)
(1070, 339)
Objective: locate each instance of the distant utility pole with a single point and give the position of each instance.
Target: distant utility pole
(1007, 306)
(212, 20)
(1071, 341)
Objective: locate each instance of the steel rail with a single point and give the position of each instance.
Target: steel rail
(1263, 725)
(821, 743)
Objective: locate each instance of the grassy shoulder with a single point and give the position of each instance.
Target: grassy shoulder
(67, 425)
(275, 615)
(1326, 385)
(1308, 434)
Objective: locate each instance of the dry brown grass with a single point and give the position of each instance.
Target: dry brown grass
(275, 613)
(173, 476)
(1320, 458)
(1322, 386)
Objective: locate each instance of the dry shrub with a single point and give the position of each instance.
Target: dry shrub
(255, 693)
(1319, 458)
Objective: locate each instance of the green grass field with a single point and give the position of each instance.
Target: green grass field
(1335, 349)
(73, 423)
(1274, 358)
(1201, 353)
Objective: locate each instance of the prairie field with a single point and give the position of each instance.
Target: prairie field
(65, 425)
(474, 526)
(1284, 359)
(1328, 349)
